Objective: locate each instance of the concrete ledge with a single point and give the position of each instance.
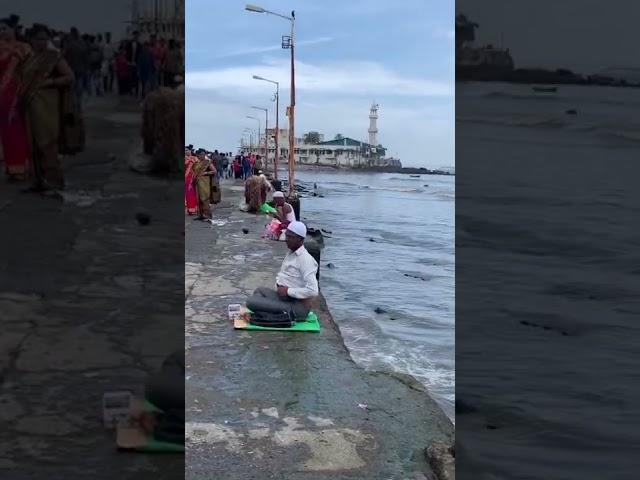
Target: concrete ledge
(284, 405)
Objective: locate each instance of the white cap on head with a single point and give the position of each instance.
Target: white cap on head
(278, 195)
(298, 228)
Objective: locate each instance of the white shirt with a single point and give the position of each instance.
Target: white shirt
(298, 272)
(291, 216)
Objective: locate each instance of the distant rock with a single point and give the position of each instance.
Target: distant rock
(415, 276)
(330, 265)
(245, 230)
(143, 218)
(380, 310)
(372, 240)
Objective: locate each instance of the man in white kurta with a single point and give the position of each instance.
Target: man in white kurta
(296, 282)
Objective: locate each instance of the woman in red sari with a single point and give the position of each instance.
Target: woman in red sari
(190, 193)
(13, 129)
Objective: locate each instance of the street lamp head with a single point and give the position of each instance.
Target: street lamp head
(254, 8)
(256, 77)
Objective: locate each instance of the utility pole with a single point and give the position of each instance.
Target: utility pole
(292, 113)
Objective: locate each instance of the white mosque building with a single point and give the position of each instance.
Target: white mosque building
(339, 152)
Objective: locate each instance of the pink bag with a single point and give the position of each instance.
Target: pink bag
(272, 230)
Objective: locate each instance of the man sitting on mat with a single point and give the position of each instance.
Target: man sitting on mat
(296, 283)
(284, 214)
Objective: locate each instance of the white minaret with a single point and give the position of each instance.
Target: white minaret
(373, 125)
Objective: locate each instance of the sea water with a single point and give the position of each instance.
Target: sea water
(547, 262)
(391, 248)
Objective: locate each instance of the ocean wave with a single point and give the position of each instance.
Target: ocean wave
(391, 189)
(523, 96)
(531, 122)
(346, 184)
(630, 136)
(407, 178)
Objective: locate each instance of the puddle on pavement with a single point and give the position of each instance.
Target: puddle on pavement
(87, 198)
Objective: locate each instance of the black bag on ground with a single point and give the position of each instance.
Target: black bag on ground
(273, 320)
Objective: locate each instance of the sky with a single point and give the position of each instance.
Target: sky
(399, 54)
(87, 16)
(586, 36)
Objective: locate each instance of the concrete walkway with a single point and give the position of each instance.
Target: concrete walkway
(90, 302)
(282, 405)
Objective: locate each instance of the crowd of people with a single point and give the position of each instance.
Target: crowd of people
(297, 283)
(40, 118)
(204, 170)
(45, 75)
(134, 66)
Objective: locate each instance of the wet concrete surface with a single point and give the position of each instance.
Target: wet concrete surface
(285, 405)
(90, 302)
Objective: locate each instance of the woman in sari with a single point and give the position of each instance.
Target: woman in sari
(190, 193)
(255, 192)
(203, 170)
(44, 77)
(13, 130)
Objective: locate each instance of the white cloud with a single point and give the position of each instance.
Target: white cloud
(422, 134)
(352, 78)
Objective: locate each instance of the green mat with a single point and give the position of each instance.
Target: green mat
(266, 208)
(310, 325)
(158, 445)
(150, 444)
(161, 447)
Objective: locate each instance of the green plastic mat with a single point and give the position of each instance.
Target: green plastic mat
(154, 445)
(161, 447)
(266, 208)
(310, 325)
(151, 408)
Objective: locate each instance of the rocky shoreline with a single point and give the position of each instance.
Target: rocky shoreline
(283, 405)
(538, 76)
(401, 170)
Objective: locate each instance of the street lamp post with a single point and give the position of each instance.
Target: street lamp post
(286, 43)
(266, 128)
(250, 132)
(259, 130)
(277, 156)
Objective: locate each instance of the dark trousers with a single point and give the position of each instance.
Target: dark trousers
(165, 390)
(267, 300)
